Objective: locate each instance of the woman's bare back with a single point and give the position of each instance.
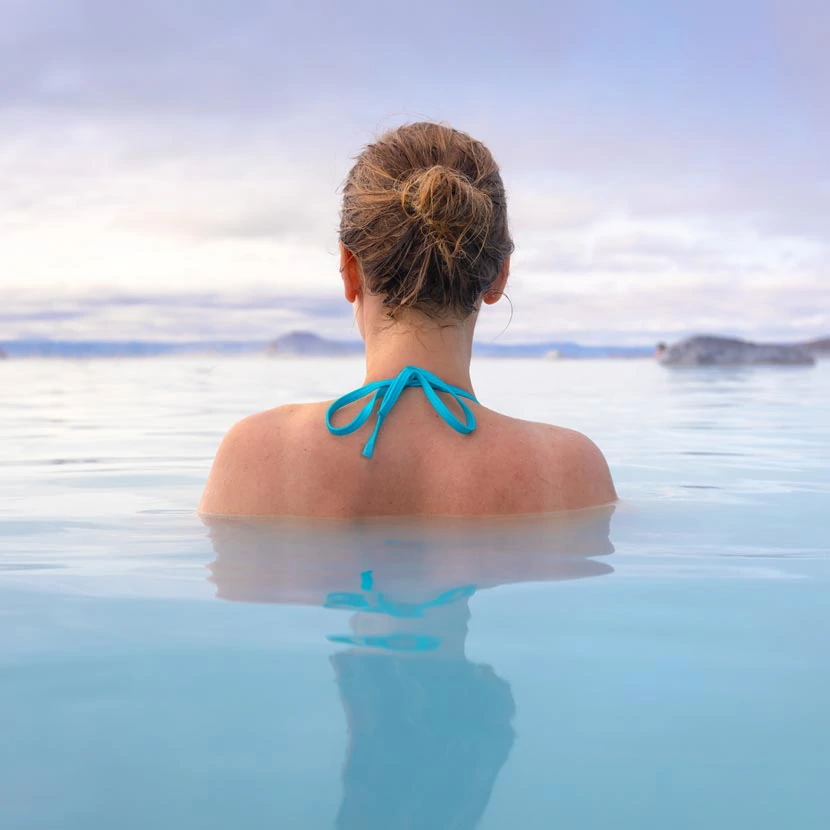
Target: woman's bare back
(286, 462)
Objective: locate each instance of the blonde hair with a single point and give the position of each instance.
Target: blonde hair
(425, 214)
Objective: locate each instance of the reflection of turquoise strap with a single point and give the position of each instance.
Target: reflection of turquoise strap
(388, 391)
(391, 642)
(374, 602)
(377, 603)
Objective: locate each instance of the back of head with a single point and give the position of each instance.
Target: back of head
(425, 214)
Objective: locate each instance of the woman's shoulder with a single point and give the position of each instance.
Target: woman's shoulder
(564, 463)
(257, 444)
(549, 437)
(265, 433)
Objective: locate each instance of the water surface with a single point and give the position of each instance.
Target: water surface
(662, 664)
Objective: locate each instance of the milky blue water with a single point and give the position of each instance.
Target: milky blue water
(664, 665)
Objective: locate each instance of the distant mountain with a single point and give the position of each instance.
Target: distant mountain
(295, 344)
(308, 344)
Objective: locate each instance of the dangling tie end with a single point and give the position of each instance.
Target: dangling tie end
(369, 446)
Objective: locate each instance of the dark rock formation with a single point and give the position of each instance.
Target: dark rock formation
(727, 351)
(817, 348)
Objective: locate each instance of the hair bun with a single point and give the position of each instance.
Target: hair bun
(445, 201)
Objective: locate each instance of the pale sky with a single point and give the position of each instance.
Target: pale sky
(173, 168)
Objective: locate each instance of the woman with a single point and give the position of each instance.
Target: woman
(424, 242)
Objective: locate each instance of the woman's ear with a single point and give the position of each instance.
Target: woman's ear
(495, 291)
(350, 274)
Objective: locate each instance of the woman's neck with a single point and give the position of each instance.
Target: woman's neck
(441, 347)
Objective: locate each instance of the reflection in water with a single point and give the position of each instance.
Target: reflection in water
(429, 730)
(427, 739)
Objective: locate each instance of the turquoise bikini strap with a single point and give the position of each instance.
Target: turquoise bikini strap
(389, 391)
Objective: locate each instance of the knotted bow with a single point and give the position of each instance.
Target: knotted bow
(388, 391)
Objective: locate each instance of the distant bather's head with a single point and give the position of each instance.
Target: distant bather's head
(424, 222)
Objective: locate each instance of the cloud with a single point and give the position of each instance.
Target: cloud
(658, 166)
(255, 57)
